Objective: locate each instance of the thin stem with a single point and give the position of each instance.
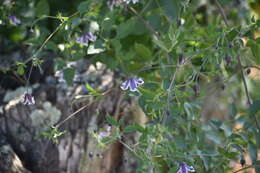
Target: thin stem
(82, 108)
(242, 169)
(222, 12)
(157, 67)
(251, 66)
(47, 39)
(29, 76)
(44, 43)
(169, 96)
(71, 115)
(41, 18)
(243, 78)
(130, 149)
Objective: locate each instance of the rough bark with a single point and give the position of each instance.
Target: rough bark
(21, 126)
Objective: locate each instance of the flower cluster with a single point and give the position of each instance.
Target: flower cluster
(85, 38)
(14, 20)
(184, 168)
(132, 84)
(28, 99)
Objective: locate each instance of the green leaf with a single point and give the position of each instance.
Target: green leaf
(232, 34)
(189, 110)
(254, 108)
(133, 128)
(255, 48)
(111, 120)
(92, 91)
(227, 128)
(252, 152)
(125, 29)
(42, 8)
(171, 9)
(214, 136)
(257, 166)
(75, 22)
(69, 75)
(21, 68)
(142, 52)
(131, 27)
(84, 6)
(160, 44)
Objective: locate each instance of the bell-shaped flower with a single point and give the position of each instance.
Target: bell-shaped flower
(28, 99)
(184, 168)
(60, 76)
(85, 38)
(133, 1)
(105, 133)
(14, 20)
(132, 84)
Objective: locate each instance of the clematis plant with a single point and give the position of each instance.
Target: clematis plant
(132, 83)
(184, 168)
(14, 20)
(85, 38)
(133, 1)
(28, 99)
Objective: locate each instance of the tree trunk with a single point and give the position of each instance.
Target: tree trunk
(21, 126)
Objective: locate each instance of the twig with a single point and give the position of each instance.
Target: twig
(251, 66)
(46, 40)
(222, 12)
(130, 149)
(44, 43)
(80, 109)
(242, 169)
(71, 115)
(243, 78)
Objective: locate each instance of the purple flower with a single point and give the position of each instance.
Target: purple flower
(128, 1)
(85, 38)
(60, 76)
(28, 99)
(103, 134)
(106, 133)
(184, 168)
(14, 20)
(112, 3)
(132, 83)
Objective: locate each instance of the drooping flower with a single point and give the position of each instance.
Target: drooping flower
(28, 99)
(105, 133)
(116, 3)
(60, 76)
(14, 20)
(132, 83)
(128, 1)
(90, 154)
(181, 59)
(113, 3)
(184, 168)
(85, 38)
